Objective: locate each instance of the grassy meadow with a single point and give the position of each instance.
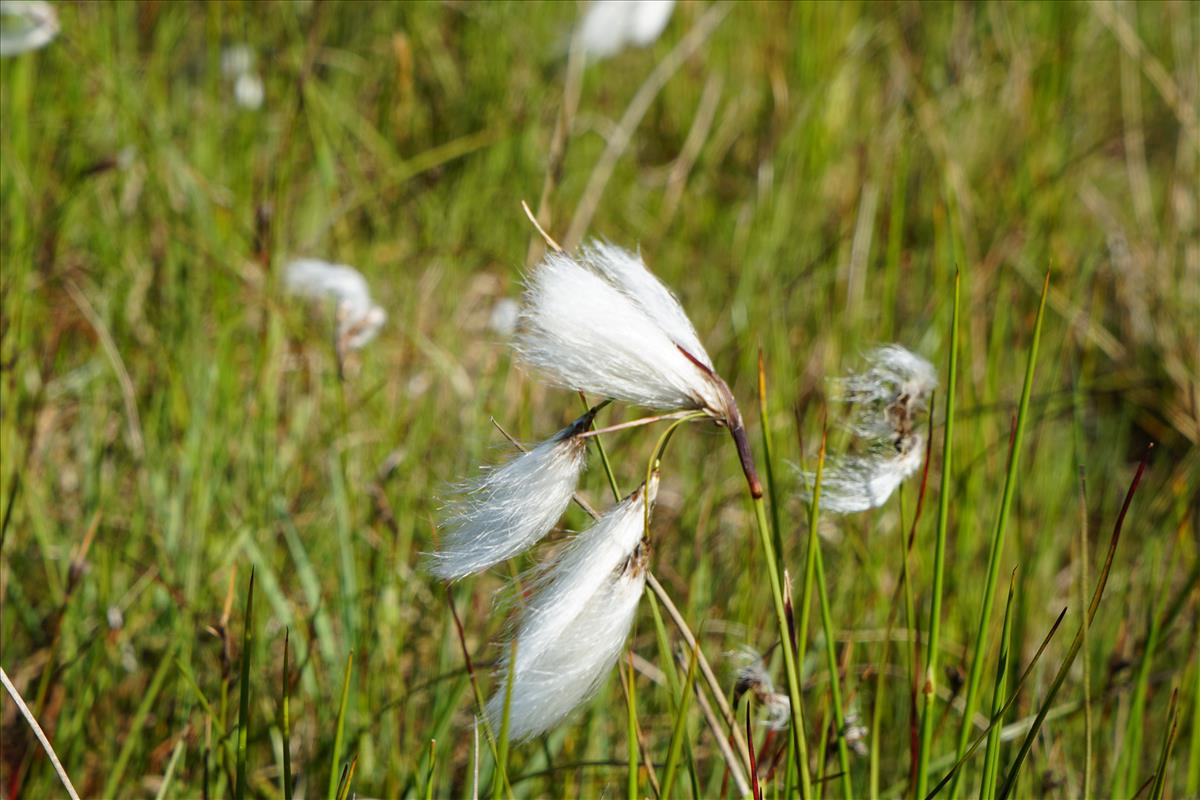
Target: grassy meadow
(809, 179)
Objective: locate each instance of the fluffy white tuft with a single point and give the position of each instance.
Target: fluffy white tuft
(860, 483)
(510, 508)
(886, 399)
(574, 627)
(611, 25)
(28, 25)
(602, 323)
(752, 676)
(358, 318)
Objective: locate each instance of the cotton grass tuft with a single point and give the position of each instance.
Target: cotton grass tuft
(603, 324)
(570, 634)
(886, 399)
(27, 25)
(510, 508)
(609, 26)
(358, 318)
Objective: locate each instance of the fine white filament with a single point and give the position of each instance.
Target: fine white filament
(572, 631)
(510, 508)
(611, 25)
(358, 318)
(604, 324)
(28, 25)
(886, 399)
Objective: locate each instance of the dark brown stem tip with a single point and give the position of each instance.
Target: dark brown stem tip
(747, 459)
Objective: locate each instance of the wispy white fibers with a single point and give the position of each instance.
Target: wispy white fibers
(510, 508)
(886, 399)
(611, 25)
(572, 631)
(26, 25)
(358, 318)
(602, 323)
(752, 677)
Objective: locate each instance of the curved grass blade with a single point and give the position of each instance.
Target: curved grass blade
(1011, 779)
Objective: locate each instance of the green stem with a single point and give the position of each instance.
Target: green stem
(789, 653)
(991, 758)
(839, 715)
(939, 561)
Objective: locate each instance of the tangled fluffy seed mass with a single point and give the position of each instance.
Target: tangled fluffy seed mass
(886, 398)
(574, 627)
(604, 324)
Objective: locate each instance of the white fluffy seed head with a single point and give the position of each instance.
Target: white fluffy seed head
(574, 627)
(604, 324)
(28, 25)
(510, 508)
(611, 25)
(886, 399)
(859, 483)
(358, 318)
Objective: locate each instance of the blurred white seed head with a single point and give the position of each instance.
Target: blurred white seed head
(510, 508)
(752, 677)
(570, 634)
(886, 400)
(610, 26)
(358, 318)
(602, 323)
(237, 65)
(26, 25)
(503, 319)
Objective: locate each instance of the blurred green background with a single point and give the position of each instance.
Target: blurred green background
(807, 180)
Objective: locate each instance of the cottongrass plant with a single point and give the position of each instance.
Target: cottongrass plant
(358, 317)
(753, 678)
(886, 399)
(600, 323)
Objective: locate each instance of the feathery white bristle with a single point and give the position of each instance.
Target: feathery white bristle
(860, 483)
(611, 25)
(886, 397)
(605, 325)
(511, 507)
(359, 319)
(574, 627)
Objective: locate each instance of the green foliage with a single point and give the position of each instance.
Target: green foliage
(169, 419)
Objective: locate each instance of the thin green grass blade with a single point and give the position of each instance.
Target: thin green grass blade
(939, 559)
(991, 758)
(1192, 785)
(1011, 779)
(996, 548)
(137, 723)
(789, 642)
(1131, 754)
(335, 770)
(239, 788)
(835, 681)
(631, 727)
(500, 780)
(1012, 698)
(608, 470)
(286, 715)
(1164, 758)
(169, 774)
(679, 730)
(429, 780)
